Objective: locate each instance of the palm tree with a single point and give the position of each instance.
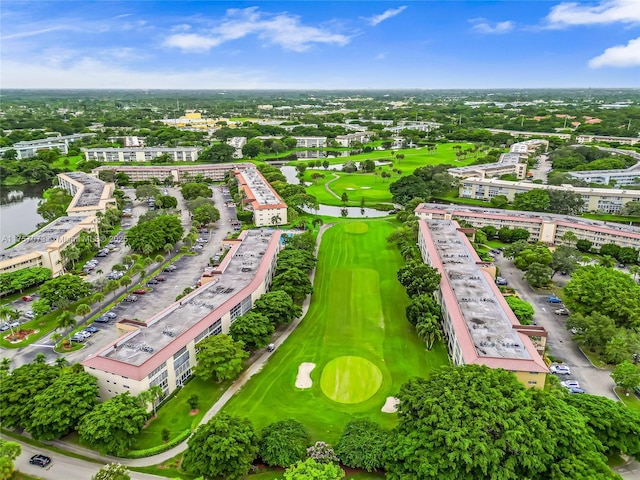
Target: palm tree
(147, 261)
(39, 359)
(167, 247)
(61, 362)
(147, 249)
(125, 281)
(159, 258)
(570, 238)
(154, 393)
(127, 260)
(9, 315)
(276, 219)
(428, 330)
(82, 310)
(97, 297)
(66, 321)
(607, 261)
(5, 364)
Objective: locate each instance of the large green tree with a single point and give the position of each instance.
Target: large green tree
(58, 409)
(224, 447)
(147, 191)
(155, 234)
(194, 190)
(112, 471)
(111, 427)
(206, 214)
(536, 200)
(294, 282)
(564, 259)
(406, 188)
(476, 422)
(418, 278)
(627, 376)
(65, 289)
(21, 279)
(278, 307)
(421, 306)
(220, 357)
(9, 451)
(252, 329)
(522, 309)
(54, 204)
(19, 390)
(538, 275)
(593, 331)
(283, 443)
(362, 445)
(295, 258)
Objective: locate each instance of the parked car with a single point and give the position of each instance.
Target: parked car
(30, 315)
(91, 329)
(160, 279)
(131, 298)
(170, 268)
(570, 384)
(560, 369)
(554, 299)
(40, 460)
(140, 291)
(561, 311)
(13, 324)
(153, 281)
(102, 319)
(502, 281)
(111, 315)
(576, 390)
(27, 298)
(83, 333)
(78, 338)
(4, 327)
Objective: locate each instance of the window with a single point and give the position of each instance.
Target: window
(179, 352)
(235, 311)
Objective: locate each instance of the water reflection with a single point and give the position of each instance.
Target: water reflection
(18, 205)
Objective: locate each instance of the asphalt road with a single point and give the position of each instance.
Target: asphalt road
(63, 467)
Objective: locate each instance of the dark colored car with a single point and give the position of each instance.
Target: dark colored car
(102, 319)
(91, 329)
(40, 460)
(153, 281)
(160, 279)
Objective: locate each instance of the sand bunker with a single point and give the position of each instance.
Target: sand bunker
(303, 380)
(348, 188)
(365, 188)
(391, 405)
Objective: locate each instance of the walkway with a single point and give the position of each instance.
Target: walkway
(254, 368)
(328, 188)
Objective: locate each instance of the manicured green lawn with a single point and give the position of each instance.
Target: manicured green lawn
(371, 186)
(630, 401)
(174, 414)
(357, 310)
(71, 165)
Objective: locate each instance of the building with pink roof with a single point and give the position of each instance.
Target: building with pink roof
(479, 326)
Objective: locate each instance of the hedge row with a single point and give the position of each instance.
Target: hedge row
(148, 452)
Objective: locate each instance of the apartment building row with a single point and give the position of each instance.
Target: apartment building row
(260, 197)
(615, 178)
(548, 228)
(176, 173)
(512, 163)
(141, 154)
(479, 326)
(162, 350)
(30, 148)
(44, 248)
(602, 200)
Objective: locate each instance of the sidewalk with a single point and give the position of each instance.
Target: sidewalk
(258, 362)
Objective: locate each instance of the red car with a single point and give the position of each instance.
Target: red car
(160, 279)
(27, 298)
(140, 291)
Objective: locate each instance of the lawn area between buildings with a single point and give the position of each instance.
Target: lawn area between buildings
(629, 400)
(174, 414)
(356, 320)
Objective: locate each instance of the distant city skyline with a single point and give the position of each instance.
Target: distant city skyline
(320, 45)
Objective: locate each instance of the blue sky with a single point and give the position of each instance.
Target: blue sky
(306, 44)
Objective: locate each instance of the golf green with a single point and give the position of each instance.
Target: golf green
(350, 379)
(357, 312)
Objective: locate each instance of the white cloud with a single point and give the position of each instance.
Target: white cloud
(92, 73)
(33, 33)
(497, 28)
(124, 15)
(387, 14)
(611, 11)
(619, 56)
(381, 56)
(282, 29)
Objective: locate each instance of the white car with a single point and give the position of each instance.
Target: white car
(570, 384)
(83, 334)
(560, 369)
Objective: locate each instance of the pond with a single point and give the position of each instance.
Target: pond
(352, 212)
(18, 210)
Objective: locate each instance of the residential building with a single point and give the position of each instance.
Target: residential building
(548, 228)
(517, 133)
(479, 326)
(512, 163)
(605, 138)
(44, 248)
(419, 126)
(162, 349)
(289, 128)
(30, 148)
(145, 154)
(615, 178)
(603, 200)
(260, 197)
(176, 173)
(90, 194)
(311, 142)
(349, 139)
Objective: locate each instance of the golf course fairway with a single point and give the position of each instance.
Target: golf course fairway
(355, 333)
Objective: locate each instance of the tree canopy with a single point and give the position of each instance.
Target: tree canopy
(310, 469)
(278, 307)
(111, 426)
(419, 278)
(283, 443)
(476, 422)
(224, 447)
(362, 445)
(194, 190)
(220, 357)
(291, 257)
(294, 282)
(153, 235)
(253, 329)
(64, 289)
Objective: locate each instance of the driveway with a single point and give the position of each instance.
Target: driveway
(559, 342)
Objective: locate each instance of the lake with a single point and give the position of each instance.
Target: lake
(18, 205)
